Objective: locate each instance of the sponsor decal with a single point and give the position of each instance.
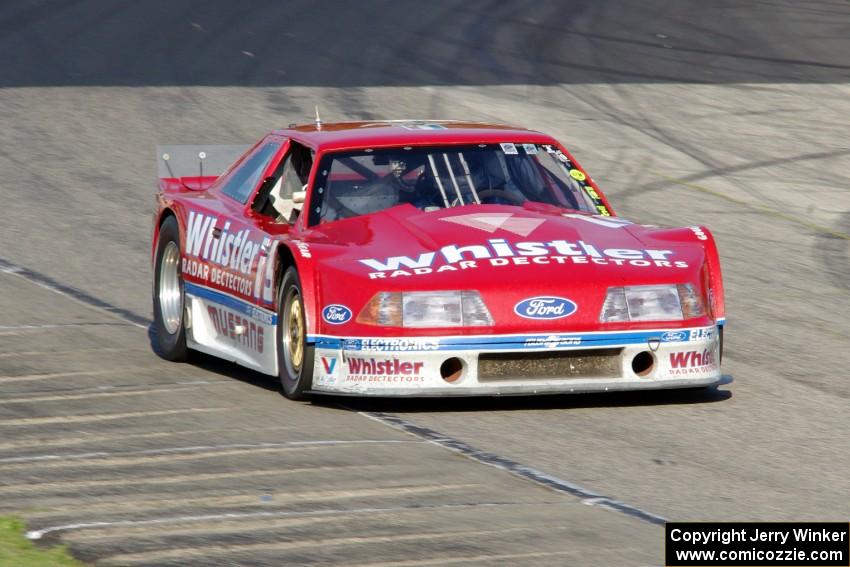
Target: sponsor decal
(325, 375)
(509, 148)
(673, 336)
(692, 362)
(500, 252)
(582, 180)
(227, 258)
(490, 222)
(530, 149)
(704, 334)
(236, 328)
(545, 307)
(393, 345)
(701, 334)
(477, 343)
(384, 371)
(577, 174)
(698, 233)
(336, 314)
(303, 248)
(552, 341)
(261, 315)
(329, 363)
(235, 251)
(231, 302)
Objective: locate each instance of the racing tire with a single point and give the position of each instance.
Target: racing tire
(169, 298)
(720, 337)
(294, 355)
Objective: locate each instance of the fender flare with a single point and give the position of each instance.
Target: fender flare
(287, 254)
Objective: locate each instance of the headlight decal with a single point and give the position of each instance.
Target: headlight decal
(426, 309)
(673, 302)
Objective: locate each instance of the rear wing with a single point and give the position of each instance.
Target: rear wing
(194, 166)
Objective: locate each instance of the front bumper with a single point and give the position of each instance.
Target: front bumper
(517, 364)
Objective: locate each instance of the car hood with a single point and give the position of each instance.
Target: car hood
(507, 253)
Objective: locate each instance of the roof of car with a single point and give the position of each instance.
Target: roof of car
(350, 135)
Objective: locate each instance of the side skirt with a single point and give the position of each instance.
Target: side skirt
(227, 327)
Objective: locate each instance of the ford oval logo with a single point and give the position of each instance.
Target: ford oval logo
(545, 307)
(336, 314)
(671, 336)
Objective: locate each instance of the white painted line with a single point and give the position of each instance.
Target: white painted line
(588, 497)
(51, 375)
(86, 438)
(99, 393)
(23, 353)
(73, 486)
(38, 534)
(199, 448)
(486, 559)
(128, 387)
(57, 326)
(95, 417)
(194, 553)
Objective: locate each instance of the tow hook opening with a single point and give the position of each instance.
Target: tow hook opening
(451, 369)
(643, 363)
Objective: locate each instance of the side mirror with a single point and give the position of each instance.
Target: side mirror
(298, 197)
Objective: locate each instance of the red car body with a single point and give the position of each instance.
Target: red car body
(530, 263)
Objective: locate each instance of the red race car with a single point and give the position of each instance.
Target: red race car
(425, 258)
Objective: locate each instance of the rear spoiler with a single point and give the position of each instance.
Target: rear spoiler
(194, 167)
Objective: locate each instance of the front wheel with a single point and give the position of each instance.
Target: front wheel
(168, 295)
(720, 335)
(295, 356)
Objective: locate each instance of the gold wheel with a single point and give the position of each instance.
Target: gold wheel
(295, 332)
(295, 353)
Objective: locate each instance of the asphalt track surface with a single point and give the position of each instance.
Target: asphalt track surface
(732, 114)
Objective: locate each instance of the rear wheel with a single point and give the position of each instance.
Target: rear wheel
(168, 295)
(295, 356)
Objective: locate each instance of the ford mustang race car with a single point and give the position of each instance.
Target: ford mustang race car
(425, 258)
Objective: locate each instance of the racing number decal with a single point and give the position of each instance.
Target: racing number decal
(265, 272)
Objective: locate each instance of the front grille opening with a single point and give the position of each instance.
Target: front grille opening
(571, 364)
(451, 369)
(643, 363)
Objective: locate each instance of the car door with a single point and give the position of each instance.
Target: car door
(226, 318)
(274, 211)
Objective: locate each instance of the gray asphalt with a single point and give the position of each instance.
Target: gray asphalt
(729, 114)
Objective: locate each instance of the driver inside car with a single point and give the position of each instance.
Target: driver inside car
(383, 192)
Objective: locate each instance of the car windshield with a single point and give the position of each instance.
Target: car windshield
(354, 183)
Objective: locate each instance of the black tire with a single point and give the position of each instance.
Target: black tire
(171, 344)
(720, 336)
(295, 378)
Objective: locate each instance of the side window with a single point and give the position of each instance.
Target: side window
(291, 180)
(274, 199)
(245, 178)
